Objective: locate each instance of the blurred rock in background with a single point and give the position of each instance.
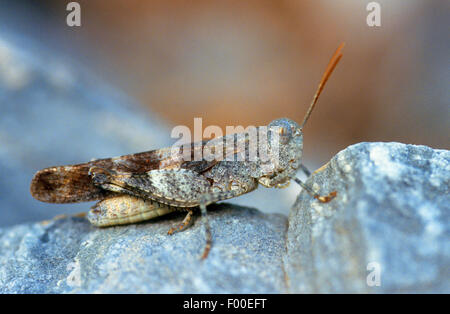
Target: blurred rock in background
(52, 113)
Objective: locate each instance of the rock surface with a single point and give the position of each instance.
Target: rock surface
(392, 211)
(391, 214)
(68, 255)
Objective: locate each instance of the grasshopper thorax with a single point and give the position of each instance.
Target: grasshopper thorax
(285, 145)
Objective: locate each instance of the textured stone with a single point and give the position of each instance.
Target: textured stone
(69, 255)
(392, 208)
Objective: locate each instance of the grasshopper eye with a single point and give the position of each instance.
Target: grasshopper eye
(285, 133)
(284, 129)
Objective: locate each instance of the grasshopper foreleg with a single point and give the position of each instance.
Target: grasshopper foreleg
(322, 199)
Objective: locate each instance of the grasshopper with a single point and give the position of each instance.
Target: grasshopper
(145, 185)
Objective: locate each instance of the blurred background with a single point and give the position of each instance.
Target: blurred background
(134, 69)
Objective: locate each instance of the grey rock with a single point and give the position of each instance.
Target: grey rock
(392, 209)
(68, 255)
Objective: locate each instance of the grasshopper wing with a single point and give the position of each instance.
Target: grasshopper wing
(73, 183)
(70, 184)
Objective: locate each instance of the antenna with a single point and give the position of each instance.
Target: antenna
(331, 65)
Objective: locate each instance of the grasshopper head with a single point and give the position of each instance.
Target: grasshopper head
(285, 145)
(285, 153)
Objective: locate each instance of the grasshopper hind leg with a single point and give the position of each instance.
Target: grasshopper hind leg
(207, 229)
(125, 209)
(187, 222)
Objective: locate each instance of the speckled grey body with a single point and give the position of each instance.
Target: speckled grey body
(193, 183)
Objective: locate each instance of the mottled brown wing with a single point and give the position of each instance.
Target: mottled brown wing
(72, 183)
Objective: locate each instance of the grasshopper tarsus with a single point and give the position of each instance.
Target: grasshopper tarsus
(322, 199)
(206, 250)
(183, 225)
(327, 198)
